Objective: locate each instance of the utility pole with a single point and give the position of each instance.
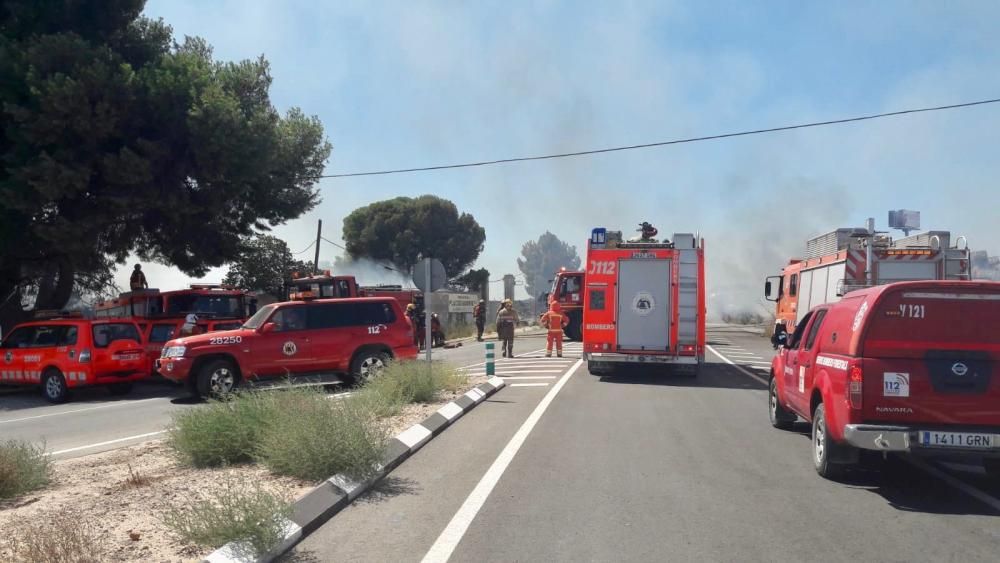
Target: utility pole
(319, 235)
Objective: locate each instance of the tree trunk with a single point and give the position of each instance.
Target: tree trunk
(57, 294)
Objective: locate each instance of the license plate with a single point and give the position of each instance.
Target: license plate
(959, 440)
(128, 357)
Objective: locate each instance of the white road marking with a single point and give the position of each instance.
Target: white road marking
(115, 404)
(730, 362)
(761, 366)
(743, 354)
(966, 488)
(450, 537)
(497, 358)
(527, 377)
(501, 372)
(529, 384)
(99, 444)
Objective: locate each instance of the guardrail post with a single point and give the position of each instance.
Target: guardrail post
(490, 366)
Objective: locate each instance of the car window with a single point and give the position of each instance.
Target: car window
(796, 340)
(68, 336)
(46, 336)
(289, 319)
(20, 338)
(331, 315)
(820, 315)
(162, 332)
(105, 334)
(375, 313)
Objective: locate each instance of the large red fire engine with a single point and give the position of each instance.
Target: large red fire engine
(567, 290)
(839, 262)
(644, 301)
(161, 314)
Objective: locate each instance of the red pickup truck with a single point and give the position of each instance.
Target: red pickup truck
(906, 367)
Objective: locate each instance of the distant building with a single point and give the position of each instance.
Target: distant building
(985, 267)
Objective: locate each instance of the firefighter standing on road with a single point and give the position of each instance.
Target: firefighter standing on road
(506, 321)
(479, 314)
(555, 321)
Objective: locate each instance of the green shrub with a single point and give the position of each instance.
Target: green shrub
(221, 432)
(313, 437)
(235, 513)
(23, 467)
(413, 382)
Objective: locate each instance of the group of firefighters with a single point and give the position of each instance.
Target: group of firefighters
(554, 320)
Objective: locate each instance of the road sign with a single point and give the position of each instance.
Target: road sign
(438, 277)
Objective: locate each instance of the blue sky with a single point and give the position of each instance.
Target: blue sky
(400, 84)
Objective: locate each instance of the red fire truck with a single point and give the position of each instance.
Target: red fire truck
(839, 262)
(644, 301)
(160, 314)
(567, 289)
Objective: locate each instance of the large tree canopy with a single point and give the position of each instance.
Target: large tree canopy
(264, 264)
(398, 230)
(116, 140)
(542, 258)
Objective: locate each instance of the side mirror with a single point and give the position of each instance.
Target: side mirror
(767, 287)
(268, 327)
(772, 293)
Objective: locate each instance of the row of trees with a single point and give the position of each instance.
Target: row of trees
(118, 140)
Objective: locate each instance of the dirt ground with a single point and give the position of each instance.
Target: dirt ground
(128, 519)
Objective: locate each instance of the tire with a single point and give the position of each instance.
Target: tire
(992, 467)
(368, 364)
(54, 387)
(120, 388)
(780, 417)
(574, 330)
(823, 447)
(217, 378)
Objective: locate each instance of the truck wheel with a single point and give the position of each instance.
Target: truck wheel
(54, 386)
(992, 467)
(120, 388)
(367, 365)
(824, 447)
(780, 418)
(217, 378)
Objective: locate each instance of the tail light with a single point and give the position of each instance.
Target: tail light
(856, 379)
(687, 349)
(85, 356)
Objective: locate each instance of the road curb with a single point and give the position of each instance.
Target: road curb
(333, 495)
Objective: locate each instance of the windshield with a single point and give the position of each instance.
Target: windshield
(259, 317)
(208, 305)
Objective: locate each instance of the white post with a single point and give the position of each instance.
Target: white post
(427, 309)
(868, 253)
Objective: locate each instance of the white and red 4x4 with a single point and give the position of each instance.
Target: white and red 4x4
(321, 340)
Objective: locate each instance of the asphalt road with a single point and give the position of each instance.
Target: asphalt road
(94, 421)
(652, 467)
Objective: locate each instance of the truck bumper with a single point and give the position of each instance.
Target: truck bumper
(878, 437)
(889, 438)
(610, 357)
(174, 369)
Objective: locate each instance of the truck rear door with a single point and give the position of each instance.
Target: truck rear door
(643, 304)
(930, 354)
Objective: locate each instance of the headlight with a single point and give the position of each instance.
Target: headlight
(174, 351)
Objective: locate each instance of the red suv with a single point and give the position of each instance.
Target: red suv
(323, 338)
(906, 367)
(62, 354)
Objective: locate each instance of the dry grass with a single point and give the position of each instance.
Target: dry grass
(58, 537)
(247, 514)
(23, 467)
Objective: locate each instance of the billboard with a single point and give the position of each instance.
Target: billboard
(904, 220)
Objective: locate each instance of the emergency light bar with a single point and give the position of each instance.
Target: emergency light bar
(908, 252)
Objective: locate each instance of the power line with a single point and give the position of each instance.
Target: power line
(305, 249)
(661, 143)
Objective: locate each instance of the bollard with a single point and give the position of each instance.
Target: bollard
(490, 367)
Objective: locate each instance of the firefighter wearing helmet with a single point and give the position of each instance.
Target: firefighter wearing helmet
(507, 319)
(554, 320)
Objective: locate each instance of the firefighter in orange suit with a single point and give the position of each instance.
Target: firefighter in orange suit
(555, 321)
